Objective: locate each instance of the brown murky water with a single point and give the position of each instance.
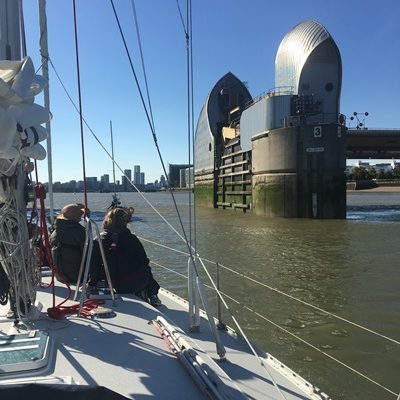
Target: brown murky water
(349, 268)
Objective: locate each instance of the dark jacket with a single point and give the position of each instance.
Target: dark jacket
(127, 262)
(67, 242)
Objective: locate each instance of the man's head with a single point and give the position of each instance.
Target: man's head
(72, 212)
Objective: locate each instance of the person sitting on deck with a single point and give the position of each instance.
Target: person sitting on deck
(67, 242)
(126, 257)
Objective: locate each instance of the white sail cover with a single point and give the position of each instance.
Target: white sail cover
(20, 117)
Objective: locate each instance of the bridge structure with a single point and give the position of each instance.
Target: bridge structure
(373, 143)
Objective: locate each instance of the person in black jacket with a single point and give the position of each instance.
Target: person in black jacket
(67, 242)
(126, 257)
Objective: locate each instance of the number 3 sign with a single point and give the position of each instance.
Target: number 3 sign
(317, 131)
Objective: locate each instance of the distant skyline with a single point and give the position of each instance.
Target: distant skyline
(118, 179)
(241, 37)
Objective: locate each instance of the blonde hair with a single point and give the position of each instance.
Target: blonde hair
(117, 218)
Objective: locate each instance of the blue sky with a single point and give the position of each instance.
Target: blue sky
(228, 35)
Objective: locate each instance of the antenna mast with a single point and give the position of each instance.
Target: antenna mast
(113, 162)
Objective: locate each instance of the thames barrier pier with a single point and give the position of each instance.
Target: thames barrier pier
(281, 154)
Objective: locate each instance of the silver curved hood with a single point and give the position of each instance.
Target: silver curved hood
(294, 51)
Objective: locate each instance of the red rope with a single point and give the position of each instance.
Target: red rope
(57, 311)
(60, 312)
(80, 109)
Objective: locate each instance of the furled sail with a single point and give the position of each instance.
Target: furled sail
(21, 132)
(20, 117)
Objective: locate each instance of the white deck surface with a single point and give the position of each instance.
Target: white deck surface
(126, 354)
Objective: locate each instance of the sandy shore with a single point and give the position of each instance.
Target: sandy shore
(380, 189)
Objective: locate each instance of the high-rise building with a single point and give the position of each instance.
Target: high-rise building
(92, 183)
(163, 181)
(126, 179)
(142, 183)
(71, 186)
(79, 185)
(136, 174)
(105, 182)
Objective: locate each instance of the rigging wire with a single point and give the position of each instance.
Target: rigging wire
(184, 237)
(44, 52)
(189, 245)
(187, 29)
(285, 330)
(190, 117)
(112, 158)
(142, 59)
(108, 153)
(181, 18)
(189, 113)
(153, 133)
(191, 171)
(154, 137)
(80, 107)
(233, 318)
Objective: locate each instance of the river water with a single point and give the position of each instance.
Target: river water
(349, 268)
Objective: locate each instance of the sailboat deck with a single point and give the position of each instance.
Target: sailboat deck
(126, 354)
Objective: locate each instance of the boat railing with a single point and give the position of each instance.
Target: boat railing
(222, 324)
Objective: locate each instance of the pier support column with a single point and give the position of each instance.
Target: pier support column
(275, 195)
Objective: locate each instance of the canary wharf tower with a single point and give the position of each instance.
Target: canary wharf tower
(282, 153)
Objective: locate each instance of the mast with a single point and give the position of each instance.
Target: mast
(11, 49)
(45, 68)
(113, 162)
(16, 252)
(10, 35)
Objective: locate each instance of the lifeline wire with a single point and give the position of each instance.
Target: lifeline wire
(288, 332)
(283, 293)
